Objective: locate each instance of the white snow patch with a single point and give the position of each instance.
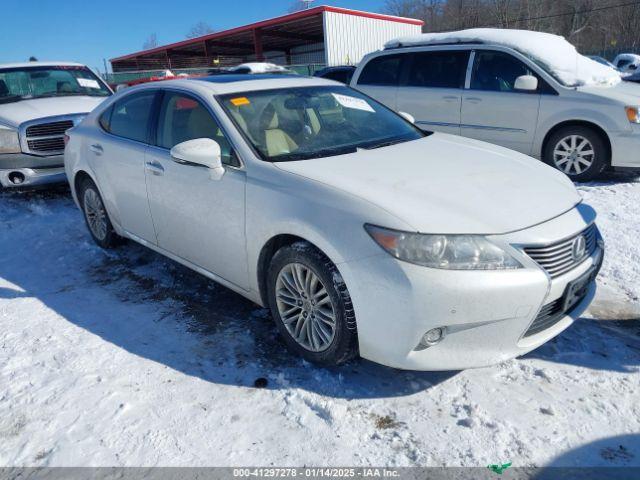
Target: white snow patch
(559, 56)
(260, 67)
(126, 359)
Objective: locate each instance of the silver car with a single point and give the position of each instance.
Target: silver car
(497, 94)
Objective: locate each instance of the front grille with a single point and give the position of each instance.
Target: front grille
(46, 129)
(47, 138)
(54, 144)
(557, 258)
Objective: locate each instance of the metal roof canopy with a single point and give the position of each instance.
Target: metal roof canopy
(280, 34)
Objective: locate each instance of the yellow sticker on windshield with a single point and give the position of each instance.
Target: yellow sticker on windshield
(238, 101)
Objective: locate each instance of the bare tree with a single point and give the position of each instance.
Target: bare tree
(199, 29)
(150, 42)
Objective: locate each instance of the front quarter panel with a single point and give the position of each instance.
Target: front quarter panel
(280, 202)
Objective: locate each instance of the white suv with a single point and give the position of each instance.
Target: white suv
(39, 101)
(501, 95)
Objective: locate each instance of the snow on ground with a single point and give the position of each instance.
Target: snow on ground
(125, 358)
(558, 55)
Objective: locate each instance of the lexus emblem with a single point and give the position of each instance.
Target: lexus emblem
(578, 248)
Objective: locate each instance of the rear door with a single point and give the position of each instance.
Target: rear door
(379, 78)
(493, 110)
(117, 155)
(433, 87)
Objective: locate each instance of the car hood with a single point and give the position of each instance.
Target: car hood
(627, 93)
(448, 184)
(13, 114)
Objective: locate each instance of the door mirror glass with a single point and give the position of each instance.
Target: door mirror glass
(200, 151)
(527, 83)
(407, 116)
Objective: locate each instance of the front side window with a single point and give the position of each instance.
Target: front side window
(130, 116)
(384, 70)
(313, 122)
(497, 72)
(26, 83)
(438, 69)
(183, 118)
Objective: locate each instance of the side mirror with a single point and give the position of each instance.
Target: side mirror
(407, 116)
(200, 151)
(527, 83)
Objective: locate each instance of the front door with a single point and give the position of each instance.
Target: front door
(196, 217)
(493, 110)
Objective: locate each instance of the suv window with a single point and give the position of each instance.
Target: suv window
(384, 70)
(130, 116)
(497, 72)
(438, 69)
(183, 118)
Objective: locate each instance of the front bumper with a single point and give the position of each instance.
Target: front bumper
(31, 170)
(485, 313)
(625, 149)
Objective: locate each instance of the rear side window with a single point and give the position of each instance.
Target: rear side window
(130, 116)
(438, 69)
(384, 70)
(105, 119)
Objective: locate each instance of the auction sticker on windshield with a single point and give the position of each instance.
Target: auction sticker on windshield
(88, 83)
(353, 102)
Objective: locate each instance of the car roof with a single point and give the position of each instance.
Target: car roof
(231, 83)
(40, 64)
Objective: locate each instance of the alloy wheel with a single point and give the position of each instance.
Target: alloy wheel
(95, 213)
(573, 155)
(305, 307)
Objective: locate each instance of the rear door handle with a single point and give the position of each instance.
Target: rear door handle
(96, 148)
(155, 168)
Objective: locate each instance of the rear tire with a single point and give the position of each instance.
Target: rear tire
(96, 216)
(311, 305)
(579, 152)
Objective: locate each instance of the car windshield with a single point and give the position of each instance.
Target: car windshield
(312, 122)
(59, 81)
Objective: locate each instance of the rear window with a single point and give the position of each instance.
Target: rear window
(384, 70)
(438, 69)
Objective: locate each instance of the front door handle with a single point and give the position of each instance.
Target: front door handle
(451, 98)
(473, 99)
(96, 148)
(154, 167)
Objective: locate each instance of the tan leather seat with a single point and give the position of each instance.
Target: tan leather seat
(277, 141)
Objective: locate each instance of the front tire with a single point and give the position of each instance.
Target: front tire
(577, 151)
(96, 216)
(311, 305)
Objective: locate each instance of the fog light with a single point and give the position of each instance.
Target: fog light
(432, 337)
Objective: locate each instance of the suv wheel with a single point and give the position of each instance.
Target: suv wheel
(96, 216)
(311, 305)
(577, 151)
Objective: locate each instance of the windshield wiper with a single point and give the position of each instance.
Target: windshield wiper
(385, 144)
(10, 99)
(327, 152)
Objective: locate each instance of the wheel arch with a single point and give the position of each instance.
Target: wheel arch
(268, 251)
(578, 123)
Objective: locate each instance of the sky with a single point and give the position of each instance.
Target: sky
(86, 31)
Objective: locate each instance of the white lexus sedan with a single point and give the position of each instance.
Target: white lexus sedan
(362, 234)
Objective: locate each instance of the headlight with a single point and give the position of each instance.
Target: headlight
(450, 252)
(9, 142)
(632, 114)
